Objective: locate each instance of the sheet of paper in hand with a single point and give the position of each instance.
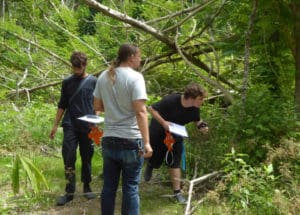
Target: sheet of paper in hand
(178, 129)
(92, 118)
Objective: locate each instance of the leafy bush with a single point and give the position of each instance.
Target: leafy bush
(249, 127)
(285, 159)
(247, 188)
(204, 152)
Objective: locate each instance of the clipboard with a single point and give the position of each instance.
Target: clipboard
(92, 119)
(178, 129)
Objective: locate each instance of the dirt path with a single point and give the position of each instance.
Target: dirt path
(78, 206)
(150, 194)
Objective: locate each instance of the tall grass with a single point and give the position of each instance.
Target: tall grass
(26, 125)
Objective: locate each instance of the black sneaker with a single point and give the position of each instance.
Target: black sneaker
(87, 192)
(148, 173)
(62, 200)
(179, 198)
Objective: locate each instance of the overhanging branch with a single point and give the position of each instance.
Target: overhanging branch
(129, 20)
(228, 97)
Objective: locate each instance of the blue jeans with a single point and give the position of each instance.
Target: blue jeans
(121, 156)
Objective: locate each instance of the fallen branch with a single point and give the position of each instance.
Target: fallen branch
(198, 8)
(177, 13)
(196, 205)
(38, 46)
(25, 90)
(77, 38)
(210, 81)
(129, 20)
(192, 61)
(207, 25)
(194, 182)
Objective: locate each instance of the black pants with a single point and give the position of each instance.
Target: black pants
(69, 150)
(157, 136)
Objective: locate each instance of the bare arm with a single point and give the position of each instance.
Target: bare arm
(142, 120)
(59, 113)
(157, 116)
(98, 106)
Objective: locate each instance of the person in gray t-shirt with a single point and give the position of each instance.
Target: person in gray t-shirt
(121, 93)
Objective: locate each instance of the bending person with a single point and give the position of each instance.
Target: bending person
(180, 109)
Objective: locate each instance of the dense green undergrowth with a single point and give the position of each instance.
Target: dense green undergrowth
(235, 47)
(270, 185)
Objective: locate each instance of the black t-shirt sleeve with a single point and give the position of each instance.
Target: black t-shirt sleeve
(162, 105)
(171, 109)
(63, 102)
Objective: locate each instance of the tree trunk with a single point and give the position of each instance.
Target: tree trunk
(247, 51)
(296, 12)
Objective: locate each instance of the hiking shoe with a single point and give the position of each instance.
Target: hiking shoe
(179, 198)
(87, 192)
(148, 172)
(62, 200)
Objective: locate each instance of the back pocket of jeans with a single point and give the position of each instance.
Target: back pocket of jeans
(131, 157)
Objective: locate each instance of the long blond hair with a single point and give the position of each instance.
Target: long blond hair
(125, 51)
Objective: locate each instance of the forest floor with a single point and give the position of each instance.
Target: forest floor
(152, 197)
(152, 193)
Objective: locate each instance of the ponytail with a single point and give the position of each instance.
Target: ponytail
(112, 72)
(125, 51)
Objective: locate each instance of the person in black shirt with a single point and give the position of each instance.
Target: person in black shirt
(76, 100)
(179, 109)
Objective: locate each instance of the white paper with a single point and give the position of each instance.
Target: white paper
(92, 118)
(178, 129)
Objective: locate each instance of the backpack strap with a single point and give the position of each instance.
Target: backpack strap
(79, 88)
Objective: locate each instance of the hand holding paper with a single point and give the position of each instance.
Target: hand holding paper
(178, 129)
(92, 119)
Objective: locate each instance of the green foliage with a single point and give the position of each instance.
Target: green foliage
(167, 81)
(26, 126)
(33, 174)
(203, 155)
(248, 188)
(152, 99)
(252, 125)
(28, 201)
(86, 24)
(15, 178)
(263, 119)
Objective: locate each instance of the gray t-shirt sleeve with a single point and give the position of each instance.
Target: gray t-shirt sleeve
(139, 89)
